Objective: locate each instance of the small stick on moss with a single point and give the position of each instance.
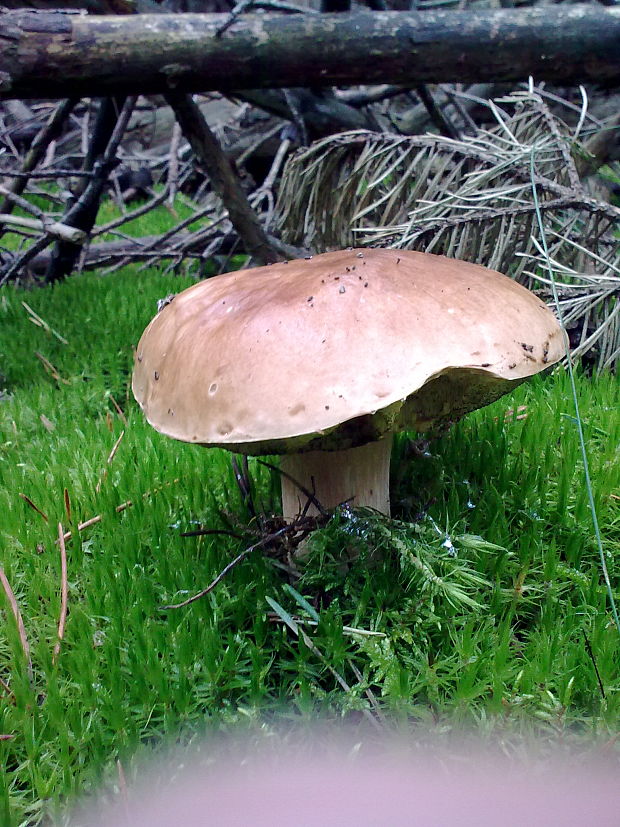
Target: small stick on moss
(18, 619)
(368, 692)
(40, 322)
(202, 532)
(34, 507)
(63, 593)
(49, 367)
(229, 567)
(119, 508)
(593, 659)
(111, 456)
(119, 410)
(291, 534)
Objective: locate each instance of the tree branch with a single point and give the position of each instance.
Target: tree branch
(51, 54)
(223, 178)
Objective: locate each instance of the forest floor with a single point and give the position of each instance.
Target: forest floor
(481, 604)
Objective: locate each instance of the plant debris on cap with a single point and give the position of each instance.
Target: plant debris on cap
(337, 350)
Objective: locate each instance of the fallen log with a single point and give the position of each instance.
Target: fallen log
(56, 54)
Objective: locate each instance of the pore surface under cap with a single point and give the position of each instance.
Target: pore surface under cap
(264, 360)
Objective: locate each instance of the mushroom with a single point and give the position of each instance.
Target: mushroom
(322, 359)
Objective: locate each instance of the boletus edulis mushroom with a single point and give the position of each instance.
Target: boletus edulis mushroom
(322, 359)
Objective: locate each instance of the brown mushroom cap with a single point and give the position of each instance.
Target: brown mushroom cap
(337, 350)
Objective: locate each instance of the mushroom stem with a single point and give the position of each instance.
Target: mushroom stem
(359, 475)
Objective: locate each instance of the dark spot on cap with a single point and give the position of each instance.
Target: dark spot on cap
(156, 375)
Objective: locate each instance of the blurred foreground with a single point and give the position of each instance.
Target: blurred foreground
(363, 785)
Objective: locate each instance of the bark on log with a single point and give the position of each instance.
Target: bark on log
(55, 54)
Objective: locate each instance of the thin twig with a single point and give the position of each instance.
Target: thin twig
(111, 456)
(49, 367)
(239, 9)
(309, 494)
(102, 229)
(63, 593)
(67, 499)
(593, 659)
(173, 163)
(242, 478)
(238, 559)
(19, 263)
(37, 320)
(119, 410)
(368, 692)
(224, 180)
(50, 132)
(34, 507)
(119, 508)
(209, 532)
(18, 619)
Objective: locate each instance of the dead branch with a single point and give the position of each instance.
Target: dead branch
(47, 54)
(38, 149)
(223, 178)
(112, 120)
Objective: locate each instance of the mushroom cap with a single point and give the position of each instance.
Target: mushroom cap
(337, 350)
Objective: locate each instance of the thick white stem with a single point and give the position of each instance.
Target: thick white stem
(358, 475)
